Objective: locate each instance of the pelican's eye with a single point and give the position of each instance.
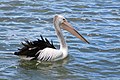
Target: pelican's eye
(63, 19)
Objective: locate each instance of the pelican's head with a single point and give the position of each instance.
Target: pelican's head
(58, 20)
(61, 23)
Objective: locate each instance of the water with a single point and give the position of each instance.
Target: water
(97, 20)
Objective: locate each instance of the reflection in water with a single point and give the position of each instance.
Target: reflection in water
(49, 70)
(42, 65)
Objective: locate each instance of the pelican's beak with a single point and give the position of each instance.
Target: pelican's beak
(66, 26)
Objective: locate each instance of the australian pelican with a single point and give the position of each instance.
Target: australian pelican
(43, 50)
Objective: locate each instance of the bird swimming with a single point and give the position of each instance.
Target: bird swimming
(44, 50)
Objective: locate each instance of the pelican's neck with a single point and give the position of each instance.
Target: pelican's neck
(63, 45)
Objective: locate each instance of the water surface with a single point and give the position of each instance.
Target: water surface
(97, 20)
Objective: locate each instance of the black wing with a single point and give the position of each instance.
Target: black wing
(30, 48)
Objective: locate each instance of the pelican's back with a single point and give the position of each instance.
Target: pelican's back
(30, 48)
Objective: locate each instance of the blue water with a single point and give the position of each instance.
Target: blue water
(97, 20)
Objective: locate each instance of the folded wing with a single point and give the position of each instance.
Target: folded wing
(31, 48)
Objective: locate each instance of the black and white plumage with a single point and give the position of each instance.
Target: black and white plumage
(31, 48)
(43, 50)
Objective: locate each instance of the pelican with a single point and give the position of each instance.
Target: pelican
(43, 50)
